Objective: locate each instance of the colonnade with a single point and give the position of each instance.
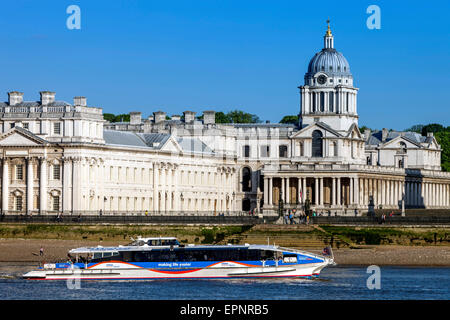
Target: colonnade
(354, 191)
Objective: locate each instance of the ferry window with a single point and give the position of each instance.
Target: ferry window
(107, 254)
(97, 255)
(267, 255)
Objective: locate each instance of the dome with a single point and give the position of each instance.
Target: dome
(329, 61)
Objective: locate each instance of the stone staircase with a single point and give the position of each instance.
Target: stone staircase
(291, 236)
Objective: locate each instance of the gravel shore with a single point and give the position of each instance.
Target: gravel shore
(27, 251)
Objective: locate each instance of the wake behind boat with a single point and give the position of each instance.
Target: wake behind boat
(165, 257)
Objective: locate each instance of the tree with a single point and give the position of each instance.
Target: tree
(239, 116)
(443, 138)
(290, 119)
(432, 127)
(416, 128)
(116, 118)
(109, 117)
(222, 117)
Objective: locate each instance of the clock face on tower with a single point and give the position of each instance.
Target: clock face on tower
(322, 79)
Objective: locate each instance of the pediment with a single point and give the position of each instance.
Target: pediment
(354, 132)
(396, 143)
(15, 137)
(171, 145)
(306, 132)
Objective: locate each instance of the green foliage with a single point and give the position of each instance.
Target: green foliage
(221, 117)
(239, 116)
(290, 119)
(443, 138)
(364, 128)
(416, 128)
(116, 118)
(432, 127)
(236, 116)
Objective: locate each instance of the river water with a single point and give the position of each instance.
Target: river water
(338, 282)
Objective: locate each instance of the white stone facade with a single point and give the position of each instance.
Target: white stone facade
(58, 157)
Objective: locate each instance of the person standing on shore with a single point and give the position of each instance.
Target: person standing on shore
(41, 251)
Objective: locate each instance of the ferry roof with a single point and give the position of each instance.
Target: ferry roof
(149, 248)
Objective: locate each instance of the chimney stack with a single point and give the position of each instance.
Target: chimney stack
(47, 97)
(135, 117)
(15, 97)
(367, 133)
(209, 117)
(189, 116)
(80, 101)
(384, 134)
(159, 116)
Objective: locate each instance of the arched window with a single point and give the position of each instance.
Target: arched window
(302, 152)
(330, 100)
(314, 102)
(317, 148)
(322, 101)
(335, 149)
(246, 179)
(403, 147)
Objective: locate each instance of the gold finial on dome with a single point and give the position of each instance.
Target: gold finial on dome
(328, 34)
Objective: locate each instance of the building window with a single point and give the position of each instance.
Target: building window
(56, 171)
(57, 128)
(317, 149)
(12, 125)
(302, 151)
(246, 179)
(322, 101)
(283, 151)
(19, 172)
(55, 205)
(246, 151)
(330, 101)
(26, 125)
(18, 204)
(265, 151)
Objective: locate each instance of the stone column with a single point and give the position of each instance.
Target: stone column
(288, 196)
(5, 185)
(304, 190)
(270, 191)
(283, 193)
(321, 195)
(316, 189)
(169, 189)
(356, 187)
(43, 186)
(66, 177)
(338, 200)
(163, 188)
(351, 190)
(299, 190)
(76, 185)
(333, 193)
(30, 180)
(155, 187)
(266, 190)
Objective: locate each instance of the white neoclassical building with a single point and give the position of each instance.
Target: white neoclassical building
(61, 157)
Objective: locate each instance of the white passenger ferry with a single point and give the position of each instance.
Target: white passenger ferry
(165, 257)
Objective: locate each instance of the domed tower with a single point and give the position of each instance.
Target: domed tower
(328, 95)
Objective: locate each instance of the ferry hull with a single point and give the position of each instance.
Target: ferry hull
(119, 272)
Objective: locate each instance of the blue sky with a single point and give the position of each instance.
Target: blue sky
(224, 55)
